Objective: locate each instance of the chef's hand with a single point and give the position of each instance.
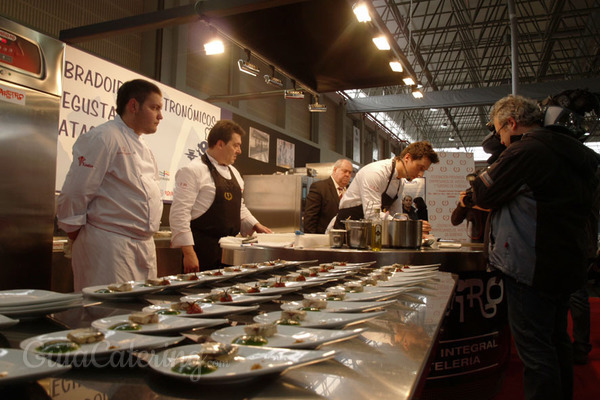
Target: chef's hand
(426, 227)
(73, 235)
(190, 260)
(260, 228)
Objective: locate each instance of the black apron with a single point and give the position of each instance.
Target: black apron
(356, 212)
(221, 219)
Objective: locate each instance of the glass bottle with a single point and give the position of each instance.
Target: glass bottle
(376, 229)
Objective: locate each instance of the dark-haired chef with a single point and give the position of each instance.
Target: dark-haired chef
(110, 203)
(378, 184)
(207, 200)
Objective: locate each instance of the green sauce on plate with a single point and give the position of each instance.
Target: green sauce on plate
(125, 326)
(58, 347)
(194, 368)
(250, 340)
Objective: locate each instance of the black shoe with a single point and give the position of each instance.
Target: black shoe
(580, 359)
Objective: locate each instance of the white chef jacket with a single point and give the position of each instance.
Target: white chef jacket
(369, 184)
(193, 195)
(112, 185)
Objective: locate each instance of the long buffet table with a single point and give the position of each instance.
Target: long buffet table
(387, 361)
(474, 347)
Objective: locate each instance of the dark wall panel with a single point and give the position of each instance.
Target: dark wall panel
(304, 153)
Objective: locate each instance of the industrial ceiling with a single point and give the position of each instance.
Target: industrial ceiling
(458, 50)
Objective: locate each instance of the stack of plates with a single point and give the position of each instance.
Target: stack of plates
(33, 302)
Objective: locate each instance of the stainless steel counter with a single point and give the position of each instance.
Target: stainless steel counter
(467, 258)
(388, 361)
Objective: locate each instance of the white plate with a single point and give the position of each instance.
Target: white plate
(208, 310)
(395, 282)
(136, 292)
(25, 297)
(414, 273)
(270, 360)
(114, 341)
(291, 337)
(21, 366)
(370, 294)
(341, 306)
(423, 267)
(6, 322)
(166, 323)
(322, 319)
(237, 299)
(42, 309)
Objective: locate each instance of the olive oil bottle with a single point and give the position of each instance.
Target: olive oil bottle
(376, 229)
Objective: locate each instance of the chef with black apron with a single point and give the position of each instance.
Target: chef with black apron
(207, 201)
(378, 184)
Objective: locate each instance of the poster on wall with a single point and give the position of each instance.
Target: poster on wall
(445, 181)
(258, 145)
(90, 87)
(285, 154)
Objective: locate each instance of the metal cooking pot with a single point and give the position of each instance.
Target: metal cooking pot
(405, 234)
(358, 233)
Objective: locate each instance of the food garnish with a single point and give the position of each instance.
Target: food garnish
(60, 346)
(125, 326)
(250, 340)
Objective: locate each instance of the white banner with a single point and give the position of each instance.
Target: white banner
(445, 181)
(90, 87)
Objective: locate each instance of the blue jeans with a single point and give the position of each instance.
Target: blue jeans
(538, 323)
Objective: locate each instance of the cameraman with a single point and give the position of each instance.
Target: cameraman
(475, 216)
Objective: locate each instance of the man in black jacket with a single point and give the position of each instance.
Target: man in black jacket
(541, 193)
(323, 199)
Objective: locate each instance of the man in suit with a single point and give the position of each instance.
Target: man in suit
(323, 199)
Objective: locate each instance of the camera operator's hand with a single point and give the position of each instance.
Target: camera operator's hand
(461, 199)
(426, 227)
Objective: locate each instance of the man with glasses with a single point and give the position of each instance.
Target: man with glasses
(537, 236)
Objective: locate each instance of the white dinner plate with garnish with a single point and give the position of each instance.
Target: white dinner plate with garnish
(42, 309)
(341, 306)
(28, 297)
(208, 310)
(250, 362)
(236, 299)
(291, 337)
(165, 324)
(323, 320)
(114, 341)
(367, 295)
(18, 366)
(403, 281)
(103, 293)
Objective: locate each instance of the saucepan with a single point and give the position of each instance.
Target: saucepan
(403, 234)
(358, 233)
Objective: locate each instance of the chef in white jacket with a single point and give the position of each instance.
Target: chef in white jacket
(110, 204)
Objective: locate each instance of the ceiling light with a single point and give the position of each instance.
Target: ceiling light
(271, 80)
(417, 94)
(408, 81)
(444, 125)
(433, 109)
(316, 106)
(215, 46)
(362, 12)
(396, 66)
(293, 94)
(451, 138)
(381, 43)
(248, 68)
